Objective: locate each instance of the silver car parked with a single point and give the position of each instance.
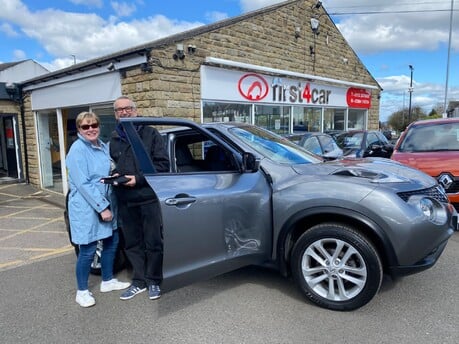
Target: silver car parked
(238, 195)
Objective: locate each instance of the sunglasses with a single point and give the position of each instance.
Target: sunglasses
(87, 126)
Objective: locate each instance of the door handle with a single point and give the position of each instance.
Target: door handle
(180, 201)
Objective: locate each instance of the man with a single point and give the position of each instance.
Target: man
(138, 205)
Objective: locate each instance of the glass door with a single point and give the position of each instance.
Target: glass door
(48, 148)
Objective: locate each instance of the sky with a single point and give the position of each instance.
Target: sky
(387, 35)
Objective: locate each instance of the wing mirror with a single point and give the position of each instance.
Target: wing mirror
(249, 162)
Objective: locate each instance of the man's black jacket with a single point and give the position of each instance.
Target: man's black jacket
(126, 163)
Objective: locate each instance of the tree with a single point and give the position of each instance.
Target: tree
(436, 111)
(399, 119)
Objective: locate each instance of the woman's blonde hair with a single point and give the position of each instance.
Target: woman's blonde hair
(86, 115)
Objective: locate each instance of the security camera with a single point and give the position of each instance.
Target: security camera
(13, 90)
(179, 54)
(111, 66)
(10, 86)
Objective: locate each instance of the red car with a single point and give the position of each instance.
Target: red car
(432, 146)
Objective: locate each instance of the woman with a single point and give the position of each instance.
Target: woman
(91, 208)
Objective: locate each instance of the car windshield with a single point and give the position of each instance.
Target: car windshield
(430, 138)
(349, 140)
(272, 146)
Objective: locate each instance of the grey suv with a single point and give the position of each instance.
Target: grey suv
(238, 195)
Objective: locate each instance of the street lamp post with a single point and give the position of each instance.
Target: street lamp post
(445, 114)
(410, 90)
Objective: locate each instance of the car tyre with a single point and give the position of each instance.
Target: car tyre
(336, 267)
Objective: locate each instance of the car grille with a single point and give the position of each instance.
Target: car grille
(435, 192)
(453, 188)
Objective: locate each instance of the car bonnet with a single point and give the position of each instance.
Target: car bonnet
(376, 170)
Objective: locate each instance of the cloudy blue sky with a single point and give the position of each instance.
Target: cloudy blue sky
(387, 35)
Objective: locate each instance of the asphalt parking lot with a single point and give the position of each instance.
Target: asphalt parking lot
(250, 305)
(31, 225)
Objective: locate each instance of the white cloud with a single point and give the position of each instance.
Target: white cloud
(215, 16)
(252, 5)
(395, 96)
(19, 55)
(89, 3)
(389, 25)
(86, 36)
(123, 9)
(8, 30)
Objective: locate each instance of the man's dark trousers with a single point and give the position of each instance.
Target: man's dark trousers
(142, 229)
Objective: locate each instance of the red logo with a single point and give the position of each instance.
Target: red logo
(253, 87)
(358, 98)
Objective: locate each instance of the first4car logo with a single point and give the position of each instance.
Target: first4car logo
(254, 87)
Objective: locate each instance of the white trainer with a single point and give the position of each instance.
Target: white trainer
(112, 285)
(84, 298)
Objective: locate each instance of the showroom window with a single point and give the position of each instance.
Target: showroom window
(226, 112)
(356, 119)
(273, 118)
(107, 121)
(334, 119)
(307, 119)
(282, 119)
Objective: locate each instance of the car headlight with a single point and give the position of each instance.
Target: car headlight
(427, 208)
(430, 208)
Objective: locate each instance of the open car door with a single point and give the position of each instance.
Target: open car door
(211, 208)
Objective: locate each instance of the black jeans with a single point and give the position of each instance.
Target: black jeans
(142, 229)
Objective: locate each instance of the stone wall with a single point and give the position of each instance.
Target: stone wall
(31, 139)
(267, 39)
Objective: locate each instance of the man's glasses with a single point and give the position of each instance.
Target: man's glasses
(87, 126)
(126, 108)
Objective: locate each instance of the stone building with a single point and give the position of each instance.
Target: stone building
(452, 109)
(273, 67)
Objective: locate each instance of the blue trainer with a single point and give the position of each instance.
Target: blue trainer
(154, 292)
(132, 291)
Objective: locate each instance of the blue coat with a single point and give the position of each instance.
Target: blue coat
(86, 165)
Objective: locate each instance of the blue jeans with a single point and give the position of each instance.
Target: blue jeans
(86, 256)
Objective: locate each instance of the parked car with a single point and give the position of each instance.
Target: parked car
(295, 137)
(333, 132)
(239, 195)
(433, 147)
(387, 134)
(321, 144)
(364, 143)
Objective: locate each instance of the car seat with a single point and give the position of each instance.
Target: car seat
(215, 159)
(184, 160)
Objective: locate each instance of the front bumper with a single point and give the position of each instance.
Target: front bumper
(455, 218)
(424, 264)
